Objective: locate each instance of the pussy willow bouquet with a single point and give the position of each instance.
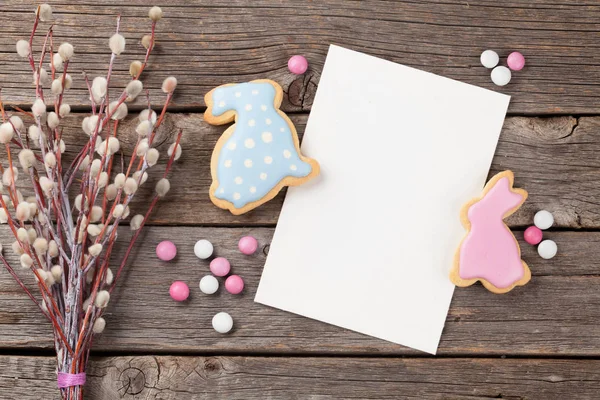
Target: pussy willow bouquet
(65, 221)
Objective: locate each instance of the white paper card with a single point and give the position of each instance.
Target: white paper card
(368, 244)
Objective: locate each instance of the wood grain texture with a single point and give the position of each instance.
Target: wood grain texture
(206, 44)
(258, 378)
(554, 159)
(557, 313)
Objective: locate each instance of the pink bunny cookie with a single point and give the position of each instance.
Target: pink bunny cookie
(489, 252)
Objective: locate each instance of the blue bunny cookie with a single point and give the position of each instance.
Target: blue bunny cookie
(260, 153)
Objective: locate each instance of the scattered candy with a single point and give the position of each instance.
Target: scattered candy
(547, 249)
(234, 284)
(533, 235)
(209, 284)
(166, 250)
(543, 219)
(489, 58)
(179, 291)
(515, 61)
(222, 322)
(297, 65)
(501, 75)
(220, 266)
(248, 245)
(203, 249)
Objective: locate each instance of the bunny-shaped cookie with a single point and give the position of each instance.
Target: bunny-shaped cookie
(489, 252)
(259, 154)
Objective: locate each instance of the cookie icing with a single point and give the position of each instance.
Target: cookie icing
(489, 252)
(260, 150)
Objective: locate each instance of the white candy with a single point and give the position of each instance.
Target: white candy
(501, 75)
(222, 322)
(489, 58)
(547, 249)
(543, 219)
(209, 284)
(203, 249)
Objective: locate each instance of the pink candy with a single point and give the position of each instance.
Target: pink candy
(220, 266)
(234, 284)
(248, 245)
(297, 65)
(166, 250)
(533, 235)
(179, 291)
(515, 61)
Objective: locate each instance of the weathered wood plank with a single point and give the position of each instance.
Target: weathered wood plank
(208, 44)
(231, 378)
(556, 314)
(555, 159)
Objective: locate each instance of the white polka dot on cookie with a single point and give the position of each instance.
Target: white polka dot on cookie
(249, 143)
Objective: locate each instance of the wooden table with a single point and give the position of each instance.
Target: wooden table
(537, 342)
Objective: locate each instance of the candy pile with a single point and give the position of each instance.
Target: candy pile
(533, 235)
(209, 284)
(500, 74)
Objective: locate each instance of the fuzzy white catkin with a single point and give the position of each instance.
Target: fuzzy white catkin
(136, 222)
(68, 81)
(169, 84)
(22, 235)
(56, 272)
(95, 249)
(155, 13)
(40, 245)
(96, 214)
(23, 48)
(120, 180)
(44, 77)
(26, 158)
(53, 121)
(118, 211)
(17, 123)
(57, 61)
(162, 187)
(50, 160)
(99, 325)
(126, 212)
(134, 68)
(23, 211)
(53, 249)
(113, 145)
(31, 235)
(45, 12)
(136, 175)
(38, 108)
(111, 192)
(102, 180)
(117, 111)
(109, 276)
(133, 89)
(99, 87)
(66, 51)
(177, 152)
(131, 186)
(93, 230)
(93, 121)
(7, 178)
(77, 202)
(26, 260)
(86, 303)
(148, 115)
(64, 110)
(144, 128)
(56, 87)
(3, 216)
(147, 41)
(95, 168)
(102, 299)
(6, 132)
(17, 248)
(41, 273)
(152, 157)
(84, 163)
(142, 147)
(34, 133)
(117, 43)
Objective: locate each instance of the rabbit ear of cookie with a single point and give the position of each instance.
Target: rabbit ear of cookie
(225, 115)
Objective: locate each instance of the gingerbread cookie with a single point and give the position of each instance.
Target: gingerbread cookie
(489, 252)
(260, 153)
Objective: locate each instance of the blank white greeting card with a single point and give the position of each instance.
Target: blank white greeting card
(369, 243)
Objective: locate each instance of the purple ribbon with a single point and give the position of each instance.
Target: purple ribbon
(67, 380)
